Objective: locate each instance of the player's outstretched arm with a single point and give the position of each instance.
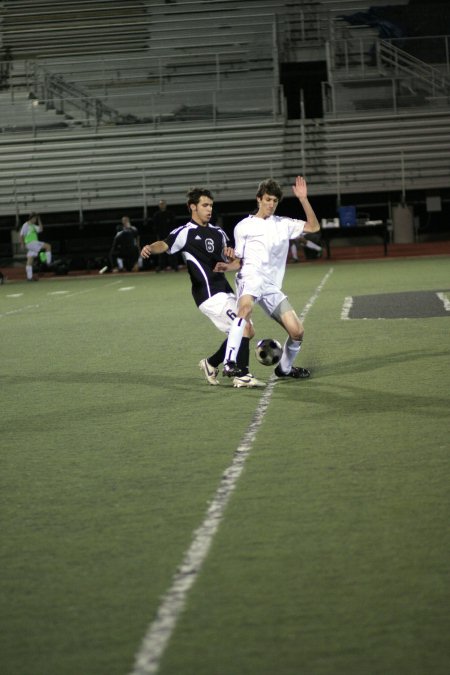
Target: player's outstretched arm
(232, 266)
(154, 249)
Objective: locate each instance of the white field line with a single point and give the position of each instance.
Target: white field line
(89, 290)
(346, 307)
(18, 310)
(445, 301)
(51, 296)
(155, 641)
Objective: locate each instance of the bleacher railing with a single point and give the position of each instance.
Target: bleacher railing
(170, 108)
(362, 54)
(402, 63)
(158, 71)
(408, 72)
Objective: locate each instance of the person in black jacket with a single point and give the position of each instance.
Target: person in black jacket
(126, 246)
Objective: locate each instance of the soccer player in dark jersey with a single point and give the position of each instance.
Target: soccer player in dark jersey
(203, 245)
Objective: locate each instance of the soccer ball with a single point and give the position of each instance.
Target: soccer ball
(268, 352)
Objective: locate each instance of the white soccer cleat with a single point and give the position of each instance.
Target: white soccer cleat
(247, 381)
(209, 372)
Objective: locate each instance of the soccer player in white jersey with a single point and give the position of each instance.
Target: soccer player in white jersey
(261, 248)
(203, 245)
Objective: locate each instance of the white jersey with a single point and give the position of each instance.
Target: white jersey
(263, 244)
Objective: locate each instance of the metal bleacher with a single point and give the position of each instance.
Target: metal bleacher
(370, 153)
(135, 165)
(114, 104)
(146, 122)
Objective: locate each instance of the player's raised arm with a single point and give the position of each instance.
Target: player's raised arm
(301, 192)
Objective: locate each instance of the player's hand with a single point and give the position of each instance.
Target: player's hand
(228, 252)
(221, 267)
(299, 189)
(146, 251)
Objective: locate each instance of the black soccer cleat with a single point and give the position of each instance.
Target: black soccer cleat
(296, 373)
(230, 369)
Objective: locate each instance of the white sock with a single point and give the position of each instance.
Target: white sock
(290, 350)
(29, 271)
(48, 255)
(294, 251)
(235, 338)
(120, 263)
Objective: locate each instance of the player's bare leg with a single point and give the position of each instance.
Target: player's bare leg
(291, 347)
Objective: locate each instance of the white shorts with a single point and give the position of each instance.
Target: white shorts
(34, 247)
(221, 309)
(268, 296)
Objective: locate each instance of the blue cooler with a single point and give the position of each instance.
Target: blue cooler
(347, 216)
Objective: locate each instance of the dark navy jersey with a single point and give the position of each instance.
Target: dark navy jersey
(202, 247)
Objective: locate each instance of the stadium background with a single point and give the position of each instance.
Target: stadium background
(107, 107)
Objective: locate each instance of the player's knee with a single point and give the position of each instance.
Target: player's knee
(297, 334)
(245, 311)
(249, 331)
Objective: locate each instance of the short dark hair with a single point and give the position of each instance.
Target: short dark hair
(194, 194)
(269, 186)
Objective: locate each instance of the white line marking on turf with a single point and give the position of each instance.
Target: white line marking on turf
(446, 302)
(18, 311)
(346, 307)
(126, 288)
(161, 629)
(14, 295)
(68, 294)
(89, 290)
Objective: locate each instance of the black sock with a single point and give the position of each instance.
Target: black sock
(243, 355)
(217, 358)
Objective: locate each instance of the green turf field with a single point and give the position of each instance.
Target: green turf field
(332, 554)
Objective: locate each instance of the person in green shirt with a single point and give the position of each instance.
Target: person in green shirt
(29, 237)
